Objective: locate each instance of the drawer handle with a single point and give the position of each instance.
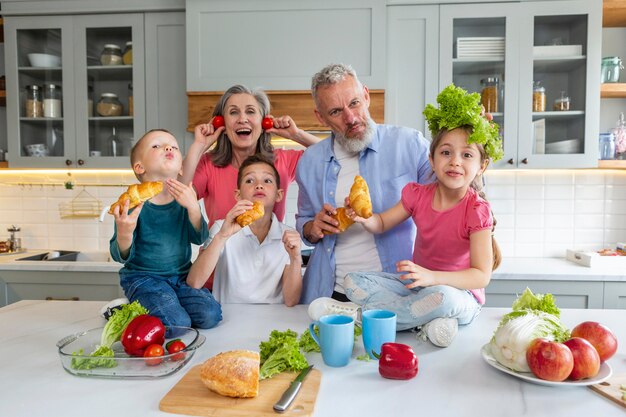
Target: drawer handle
(62, 299)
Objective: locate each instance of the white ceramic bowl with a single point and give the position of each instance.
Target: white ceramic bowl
(37, 149)
(44, 60)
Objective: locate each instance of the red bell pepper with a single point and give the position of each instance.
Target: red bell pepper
(397, 361)
(141, 332)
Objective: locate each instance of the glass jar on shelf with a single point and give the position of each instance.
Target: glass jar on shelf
(562, 103)
(619, 133)
(539, 97)
(33, 106)
(111, 55)
(109, 105)
(489, 94)
(52, 105)
(607, 146)
(611, 65)
(127, 57)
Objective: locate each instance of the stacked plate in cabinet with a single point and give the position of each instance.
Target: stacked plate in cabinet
(480, 47)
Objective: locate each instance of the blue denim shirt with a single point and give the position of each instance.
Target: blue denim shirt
(395, 157)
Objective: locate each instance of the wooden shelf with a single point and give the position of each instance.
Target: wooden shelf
(3, 98)
(4, 164)
(614, 13)
(613, 90)
(612, 164)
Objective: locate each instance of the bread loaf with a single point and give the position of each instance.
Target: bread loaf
(138, 193)
(232, 374)
(256, 212)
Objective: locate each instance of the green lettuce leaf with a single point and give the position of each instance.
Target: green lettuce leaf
(538, 302)
(118, 321)
(101, 359)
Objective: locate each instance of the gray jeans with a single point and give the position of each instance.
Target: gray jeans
(414, 307)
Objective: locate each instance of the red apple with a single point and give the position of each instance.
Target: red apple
(549, 360)
(586, 358)
(600, 336)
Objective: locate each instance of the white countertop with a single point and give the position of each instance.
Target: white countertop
(557, 269)
(99, 262)
(451, 382)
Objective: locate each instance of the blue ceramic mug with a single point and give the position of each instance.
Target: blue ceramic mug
(379, 326)
(336, 338)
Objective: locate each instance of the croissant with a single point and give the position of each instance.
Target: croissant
(256, 212)
(343, 219)
(138, 193)
(360, 200)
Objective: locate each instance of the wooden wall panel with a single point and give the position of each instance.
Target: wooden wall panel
(298, 104)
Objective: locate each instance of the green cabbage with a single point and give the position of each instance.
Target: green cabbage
(533, 316)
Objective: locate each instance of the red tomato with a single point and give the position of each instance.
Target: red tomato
(218, 121)
(267, 123)
(154, 351)
(175, 346)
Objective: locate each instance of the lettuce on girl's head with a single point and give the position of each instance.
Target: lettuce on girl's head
(459, 108)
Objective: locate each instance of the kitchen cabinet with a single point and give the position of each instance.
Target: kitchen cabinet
(224, 45)
(76, 135)
(412, 64)
(568, 294)
(615, 295)
(16, 285)
(555, 43)
(165, 75)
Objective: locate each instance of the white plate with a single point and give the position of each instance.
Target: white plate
(605, 373)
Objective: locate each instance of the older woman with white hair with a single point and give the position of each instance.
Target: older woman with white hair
(214, 173)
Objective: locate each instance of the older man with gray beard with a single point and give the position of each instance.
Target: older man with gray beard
(388, 157)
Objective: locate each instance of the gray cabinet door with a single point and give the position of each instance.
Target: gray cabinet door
(568, 294)
(279, 45)
(615, 295)
(166, 101)
(412, 64)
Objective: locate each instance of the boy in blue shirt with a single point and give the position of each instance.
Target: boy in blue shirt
(153, 240)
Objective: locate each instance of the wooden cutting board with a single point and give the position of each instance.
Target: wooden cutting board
(611, 389)
(191, 397)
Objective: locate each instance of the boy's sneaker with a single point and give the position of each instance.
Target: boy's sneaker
(440, 331)
(325, 305)
(110, 307)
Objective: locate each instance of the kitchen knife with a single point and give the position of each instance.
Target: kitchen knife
(290, 393)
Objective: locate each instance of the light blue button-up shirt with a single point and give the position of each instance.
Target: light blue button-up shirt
(395, 157)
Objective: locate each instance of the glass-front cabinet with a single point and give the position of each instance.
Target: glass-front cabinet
(70, 84)
(536, 67)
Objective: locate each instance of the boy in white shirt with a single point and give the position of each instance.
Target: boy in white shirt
(260, 263)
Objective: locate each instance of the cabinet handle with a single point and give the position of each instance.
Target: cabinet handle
(68, 162)
(81, 162)
(62, 299)
(510, 161)
(525, 161)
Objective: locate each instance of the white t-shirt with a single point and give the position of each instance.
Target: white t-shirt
(355, 249)
(249, 272)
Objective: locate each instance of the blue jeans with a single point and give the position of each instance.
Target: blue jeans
(172, 300)
(414, 307)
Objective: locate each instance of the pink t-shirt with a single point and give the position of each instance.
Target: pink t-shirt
(443, 237)
(217, 185)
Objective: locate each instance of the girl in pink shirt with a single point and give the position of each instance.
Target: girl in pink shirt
(454, 252)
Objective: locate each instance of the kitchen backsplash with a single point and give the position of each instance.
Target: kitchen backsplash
(540, 213)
